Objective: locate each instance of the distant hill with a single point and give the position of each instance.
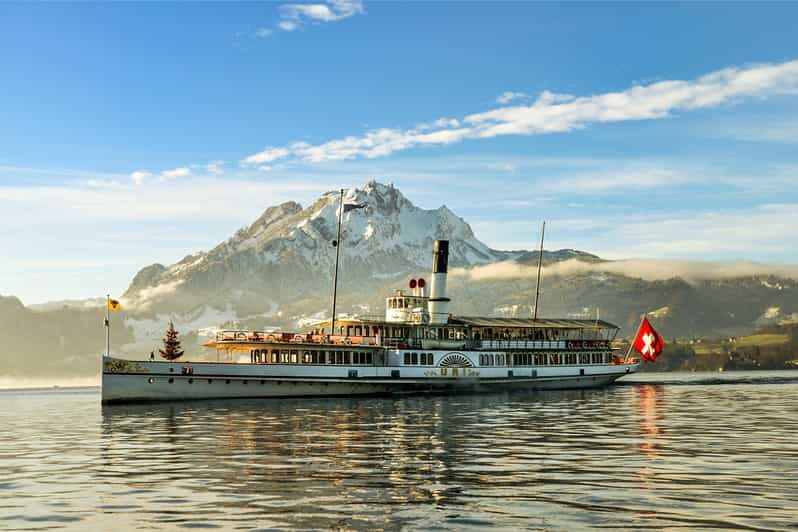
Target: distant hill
(278, 271)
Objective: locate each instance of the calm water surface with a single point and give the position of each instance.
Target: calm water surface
(703, 451)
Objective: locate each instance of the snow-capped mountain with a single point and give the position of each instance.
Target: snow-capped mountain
(287, 253)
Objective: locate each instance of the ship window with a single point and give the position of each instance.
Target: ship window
(369, 358)
(407, 359)
(414, 358)
(347, 357)
(284, 357)
(294, 357)
(358, 331)
(330, 357)
(339, 357)
(306, 357)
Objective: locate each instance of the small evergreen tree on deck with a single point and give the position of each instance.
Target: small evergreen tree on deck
(171, 344)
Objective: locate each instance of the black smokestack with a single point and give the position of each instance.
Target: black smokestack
(440, 256)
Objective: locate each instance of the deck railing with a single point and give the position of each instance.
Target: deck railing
(236, 336)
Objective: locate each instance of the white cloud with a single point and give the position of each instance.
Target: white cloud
(509, 96)
(215, 167)
(557, 113)
(294, 15)
(175, 173)
(139, 176)
(646, 269)
(266, 156)
(149, 295)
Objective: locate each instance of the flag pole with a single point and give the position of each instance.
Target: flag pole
(108, 325)
(540, 265)
(337, 254)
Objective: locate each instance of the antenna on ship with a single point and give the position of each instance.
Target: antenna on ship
(540, 265)
(337, 245)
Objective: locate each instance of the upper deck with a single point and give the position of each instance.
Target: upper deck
(470, 333)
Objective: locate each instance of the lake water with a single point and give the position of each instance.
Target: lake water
(702, 451)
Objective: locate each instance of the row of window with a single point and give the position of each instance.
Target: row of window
(553, 359)
(415, 359)
(406, 302)
(292, 356)
(492, 360)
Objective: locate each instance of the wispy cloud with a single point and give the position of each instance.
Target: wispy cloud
(509, 96)
(559, 113)
(174, 173)
(214, 167)
(139, 176)
(647, 269)
(266, 156)
(293, 16)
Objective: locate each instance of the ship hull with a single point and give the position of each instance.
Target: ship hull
(130, 381)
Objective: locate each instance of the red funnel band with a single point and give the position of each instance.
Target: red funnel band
(412, 283)
(422, 283)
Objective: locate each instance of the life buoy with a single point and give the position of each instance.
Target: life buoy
(270, 338)
(347, 341)
(298, 338)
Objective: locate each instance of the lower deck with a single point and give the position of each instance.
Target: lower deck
(125, 380)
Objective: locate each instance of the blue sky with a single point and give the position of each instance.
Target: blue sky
(135, 133)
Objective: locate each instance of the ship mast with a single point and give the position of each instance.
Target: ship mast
(540, 265)
(337, 244)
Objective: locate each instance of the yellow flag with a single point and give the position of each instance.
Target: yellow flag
(113, 304)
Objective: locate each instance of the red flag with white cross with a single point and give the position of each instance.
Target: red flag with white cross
(648, 342)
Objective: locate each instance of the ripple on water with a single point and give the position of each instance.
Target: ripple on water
(645, 455)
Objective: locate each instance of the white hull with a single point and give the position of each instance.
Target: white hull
(163, 381)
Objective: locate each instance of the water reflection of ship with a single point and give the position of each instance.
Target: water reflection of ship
(325, 460)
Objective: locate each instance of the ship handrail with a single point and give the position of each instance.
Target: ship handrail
(231, 336)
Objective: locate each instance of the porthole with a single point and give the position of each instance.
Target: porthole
(191, 381)
(210, 381)
(150, 380)
(171, 380)
(227, 381)
(171, 370)
(244, 381)
(263, 382)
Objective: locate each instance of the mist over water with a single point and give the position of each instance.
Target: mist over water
(668, 450)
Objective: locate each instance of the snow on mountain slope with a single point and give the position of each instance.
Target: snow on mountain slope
(287, 253)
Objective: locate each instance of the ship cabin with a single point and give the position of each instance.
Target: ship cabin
(472, 333)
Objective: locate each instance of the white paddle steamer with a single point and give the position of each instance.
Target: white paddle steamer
(417, 347)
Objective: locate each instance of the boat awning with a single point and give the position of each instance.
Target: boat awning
(529, 323)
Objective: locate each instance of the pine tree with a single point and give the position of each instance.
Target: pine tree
(171, 344)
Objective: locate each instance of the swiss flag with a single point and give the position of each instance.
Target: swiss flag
(648, 342)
